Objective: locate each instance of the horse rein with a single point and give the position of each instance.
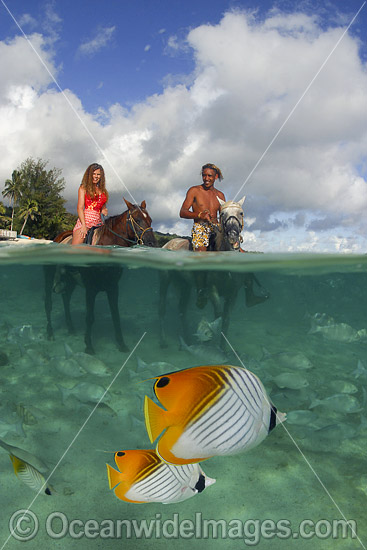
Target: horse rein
(133, 223)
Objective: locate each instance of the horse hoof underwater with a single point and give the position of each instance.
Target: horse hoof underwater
(132, 227)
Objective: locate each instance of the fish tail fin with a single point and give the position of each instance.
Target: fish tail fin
(141, 365)
(155, 420)
(281, 417)
(114, 476)
(68, 351)
(314, 328)
(64, 393)
(315, 403)
(183, 344)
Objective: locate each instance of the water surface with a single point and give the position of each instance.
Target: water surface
(314, 471)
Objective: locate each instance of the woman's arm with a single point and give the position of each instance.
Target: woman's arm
(80, 209)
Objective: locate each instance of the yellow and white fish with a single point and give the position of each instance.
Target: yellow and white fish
(30, 475)
(142, 476)
(210, 411)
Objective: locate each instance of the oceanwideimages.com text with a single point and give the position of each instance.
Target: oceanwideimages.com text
(25, 525)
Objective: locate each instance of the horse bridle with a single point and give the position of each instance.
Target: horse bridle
(224, 222)
(133, 224)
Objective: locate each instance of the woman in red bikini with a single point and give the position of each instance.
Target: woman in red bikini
(92, 200)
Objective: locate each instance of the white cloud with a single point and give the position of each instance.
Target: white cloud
(101, 40)
(26, 20)
(306, 194)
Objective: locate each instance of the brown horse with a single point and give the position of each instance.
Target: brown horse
(133, 227)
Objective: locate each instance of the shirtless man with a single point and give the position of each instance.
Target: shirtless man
(201, 205)
(203, 200)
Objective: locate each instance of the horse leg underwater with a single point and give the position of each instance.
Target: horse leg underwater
(182, 285)
(223, 292)
(95, 280)
(61, 281)
(49, 274)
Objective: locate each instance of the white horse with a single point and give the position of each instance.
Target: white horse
(227, 235)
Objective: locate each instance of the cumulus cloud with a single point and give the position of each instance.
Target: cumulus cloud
(102, 38)
(308, 192)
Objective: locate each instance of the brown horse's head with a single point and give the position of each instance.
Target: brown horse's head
(140, 224)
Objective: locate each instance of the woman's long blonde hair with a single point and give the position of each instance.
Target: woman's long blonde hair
(87, 181)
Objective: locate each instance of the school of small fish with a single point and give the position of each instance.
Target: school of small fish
(196, 413)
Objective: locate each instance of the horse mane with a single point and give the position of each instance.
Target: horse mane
(110, 219)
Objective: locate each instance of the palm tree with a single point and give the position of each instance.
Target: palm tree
(3, 219)
(13, 190)
(29, 210)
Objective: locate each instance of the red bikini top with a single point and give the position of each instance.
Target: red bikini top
(95, 203)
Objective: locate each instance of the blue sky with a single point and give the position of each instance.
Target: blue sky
(159, 88)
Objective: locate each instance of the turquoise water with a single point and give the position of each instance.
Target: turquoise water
(309, 333)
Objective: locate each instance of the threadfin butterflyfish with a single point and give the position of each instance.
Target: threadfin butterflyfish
(30, 475)
(142, 477)
(209, 411)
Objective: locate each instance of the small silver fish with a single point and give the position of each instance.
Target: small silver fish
(89, 363)
(340, 332)
(68, 366)
(15, 428)
(321, 319)
(157, 366)
(92, 364)
(209, 354)
(340, 402)
(342, 386)
(287, 359)
(361, 370)
(337, 432)
(84, 392)
(301, 417)
(25, 456)
(207, 331)
(24, 333)
(291, 380)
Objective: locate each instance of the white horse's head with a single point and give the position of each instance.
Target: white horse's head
(231, 219)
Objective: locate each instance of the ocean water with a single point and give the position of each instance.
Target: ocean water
(307, 343)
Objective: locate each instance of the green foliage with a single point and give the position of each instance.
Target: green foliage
(13, 190)
(29, 211)
(36, 195)
(4, 219)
